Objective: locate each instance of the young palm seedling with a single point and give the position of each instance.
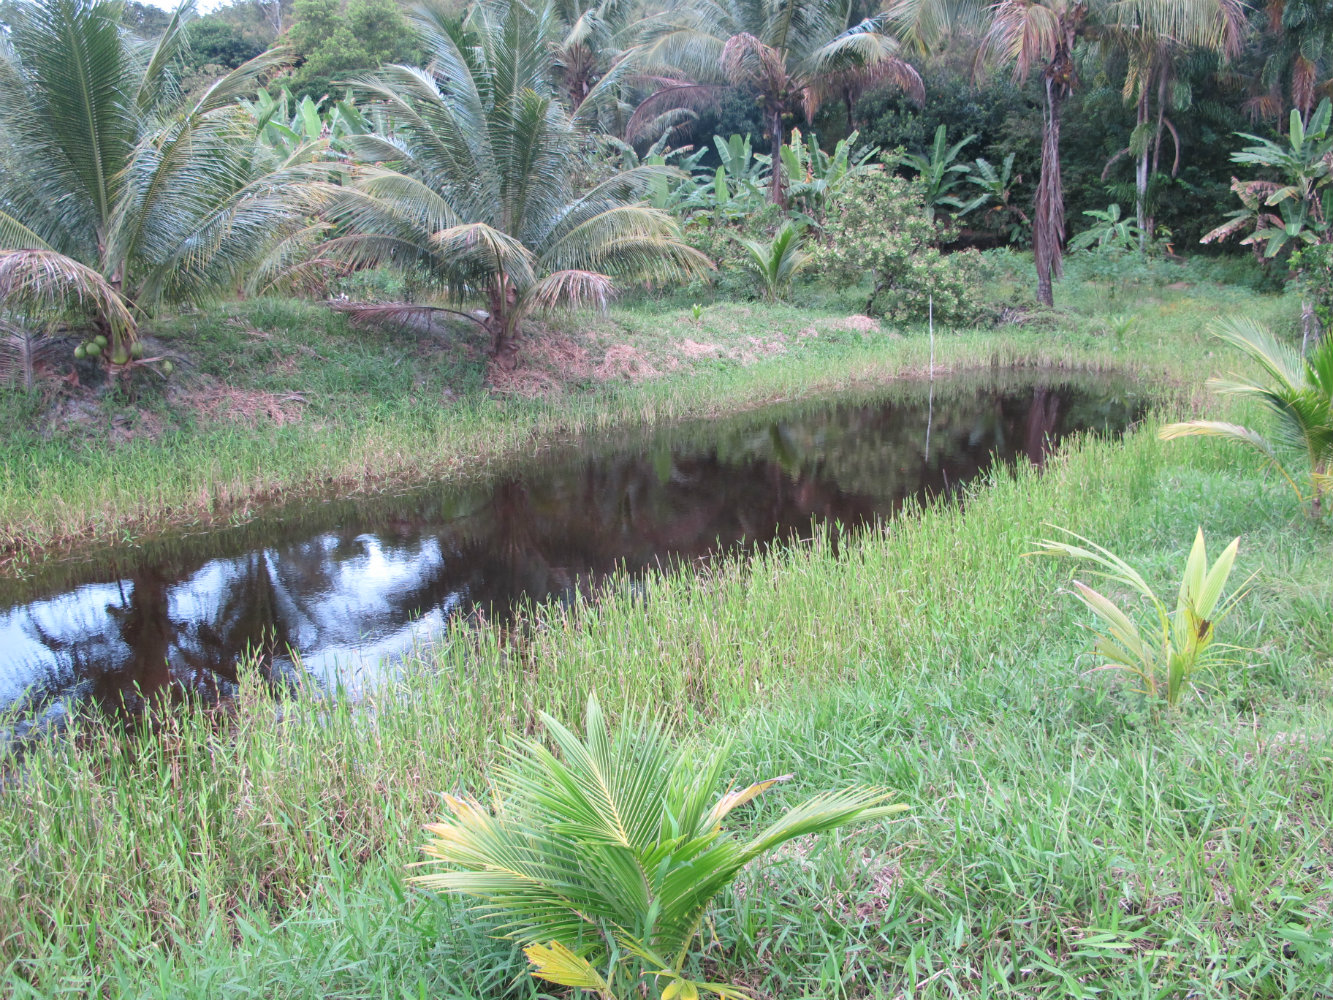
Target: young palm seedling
(1163, 655)
(1299, 392)
(778, 261)
(602, 860)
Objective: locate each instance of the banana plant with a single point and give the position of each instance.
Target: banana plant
(815, 177)
(1302, 192)
(287, 123)
(1110, 229)
(742, 176)
(940, 172)
(1165, 654)
(677, 190)
(602, 855)
(995, 189)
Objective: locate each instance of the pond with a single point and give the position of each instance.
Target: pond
(338, 589)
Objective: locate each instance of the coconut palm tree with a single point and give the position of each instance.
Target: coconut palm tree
(1044, 37)
(1298, 65)
(1299, 392)
(480, 181)
(602, 861)
(586, 49)
(792, 55)
(115, 195)
(1153, 60)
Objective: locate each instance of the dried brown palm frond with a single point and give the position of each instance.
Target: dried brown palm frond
(412, 315)
(25, 355)
(570, 290)
(43, 281)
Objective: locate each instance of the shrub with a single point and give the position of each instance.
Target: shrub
(777, 261)
(880, 227)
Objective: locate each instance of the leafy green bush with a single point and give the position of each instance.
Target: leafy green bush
(722, 244)
(880, 227)
(1313, 267)
(602, 861)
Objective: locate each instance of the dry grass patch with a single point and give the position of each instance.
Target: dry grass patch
(250, 407)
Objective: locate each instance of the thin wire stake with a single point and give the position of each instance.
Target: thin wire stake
(930, 314)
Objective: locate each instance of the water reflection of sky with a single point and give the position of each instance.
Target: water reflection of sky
(359, 585)
(349, 622)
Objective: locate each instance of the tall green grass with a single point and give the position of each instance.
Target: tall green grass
(1061, 843)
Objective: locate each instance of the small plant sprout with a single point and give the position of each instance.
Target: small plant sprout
(602, 861)
(697, 313)
(1166, 654)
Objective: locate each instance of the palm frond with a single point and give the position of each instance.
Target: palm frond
(475, 247)
(26, 354)
(156, 78)
(44, 281)
(568, 290)
(614, 843)
(1280, 361)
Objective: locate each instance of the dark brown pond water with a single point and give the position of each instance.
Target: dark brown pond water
(347, 586)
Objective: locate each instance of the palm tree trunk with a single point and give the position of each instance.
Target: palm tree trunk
(1141, 175)
(497, 323)
(1150, 224)
(1048, 224)
(775, 187)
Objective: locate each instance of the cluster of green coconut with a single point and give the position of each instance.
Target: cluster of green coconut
(123, 355)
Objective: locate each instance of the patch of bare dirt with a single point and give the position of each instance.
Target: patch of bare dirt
(543, 364)
(692, 349)
(560, 353)
(140, 424)
(858, 324)
(758, 347)
(248, 406)
(521, 381)
(624, 362)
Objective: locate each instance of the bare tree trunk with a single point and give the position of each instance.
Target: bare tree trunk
(1141, 175)
(776, 193)
(1150, 224)
(1048, 224)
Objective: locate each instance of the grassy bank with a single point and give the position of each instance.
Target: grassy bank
(1062, 841)
(277, 399)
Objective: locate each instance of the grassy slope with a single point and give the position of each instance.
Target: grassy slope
(278, 398)
(1061, 842)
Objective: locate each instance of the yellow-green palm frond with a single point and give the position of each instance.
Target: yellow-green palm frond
(613, 843)
(1281, 361)
(480, 249)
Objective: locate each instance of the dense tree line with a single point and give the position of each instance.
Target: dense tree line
(530, 156)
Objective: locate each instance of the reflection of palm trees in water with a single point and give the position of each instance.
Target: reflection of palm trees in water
(1043, 417)
(566, 526)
